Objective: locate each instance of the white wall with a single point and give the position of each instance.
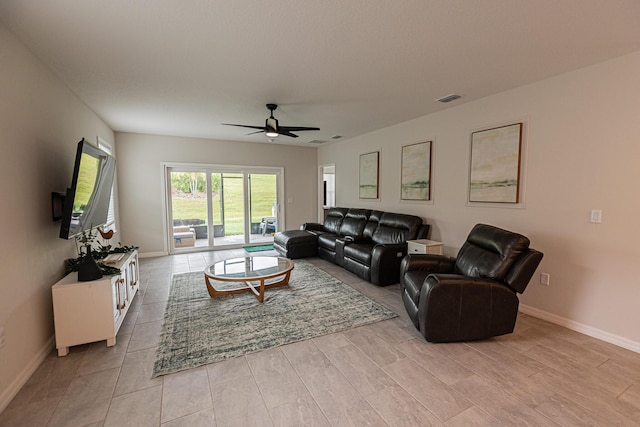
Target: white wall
(583, 152)
(140, 183)
(41, 122)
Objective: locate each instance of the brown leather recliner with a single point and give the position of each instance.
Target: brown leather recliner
(472, 296)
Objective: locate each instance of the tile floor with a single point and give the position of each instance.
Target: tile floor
(383, 374)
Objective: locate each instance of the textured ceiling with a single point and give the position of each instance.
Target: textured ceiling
(349, 67)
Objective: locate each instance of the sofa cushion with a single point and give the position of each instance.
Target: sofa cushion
(372, 224)
(289, 237)
(396, 228)
(295, 243)
(354, 222)
(333, 220)
(327, 241)
(359, 251)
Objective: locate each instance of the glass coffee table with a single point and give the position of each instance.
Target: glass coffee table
(257, 273)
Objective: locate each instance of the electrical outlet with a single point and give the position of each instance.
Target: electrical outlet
(545, 279)
(2, 342)
(596, 216)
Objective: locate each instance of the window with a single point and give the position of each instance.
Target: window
(111, 216)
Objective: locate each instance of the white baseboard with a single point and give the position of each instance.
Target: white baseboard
(582, 328)
(10, 392)
(152, 254)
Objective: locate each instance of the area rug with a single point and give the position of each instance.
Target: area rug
(258, 248)
(199, 329)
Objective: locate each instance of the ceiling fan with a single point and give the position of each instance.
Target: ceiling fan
(271, 127)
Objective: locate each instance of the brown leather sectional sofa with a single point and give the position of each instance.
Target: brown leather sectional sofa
(368, 243)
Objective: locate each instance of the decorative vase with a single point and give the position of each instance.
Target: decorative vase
(89, 269)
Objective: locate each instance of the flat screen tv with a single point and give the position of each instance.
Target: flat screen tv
(86, 202)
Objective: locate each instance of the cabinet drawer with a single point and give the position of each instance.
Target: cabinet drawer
(416, 247)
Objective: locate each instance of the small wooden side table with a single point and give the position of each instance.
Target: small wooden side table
(424, 246)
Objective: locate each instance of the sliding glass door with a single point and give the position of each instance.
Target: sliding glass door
(263, 207)
(218, 206)
(189, 217)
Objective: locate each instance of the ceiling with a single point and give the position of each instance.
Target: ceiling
(348, 67)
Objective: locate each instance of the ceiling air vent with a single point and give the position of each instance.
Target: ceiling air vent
(316, 141)
(448, 98)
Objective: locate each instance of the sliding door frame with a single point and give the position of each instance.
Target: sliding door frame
(208, 169)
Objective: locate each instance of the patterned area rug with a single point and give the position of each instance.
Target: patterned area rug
(199, 329)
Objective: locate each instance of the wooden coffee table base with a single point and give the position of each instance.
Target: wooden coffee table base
(256, 290)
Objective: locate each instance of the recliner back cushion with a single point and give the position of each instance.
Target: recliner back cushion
(354, 222)
(396, 228)
(334, 219)
(372, 224)
(489, 252)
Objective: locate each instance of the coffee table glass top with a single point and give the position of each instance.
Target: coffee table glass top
(248, 267)
(257, 272)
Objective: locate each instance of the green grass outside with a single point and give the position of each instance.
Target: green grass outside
(263, 194)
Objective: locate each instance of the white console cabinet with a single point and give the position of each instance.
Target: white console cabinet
(92, 311)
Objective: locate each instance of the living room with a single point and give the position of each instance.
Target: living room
(580, 149)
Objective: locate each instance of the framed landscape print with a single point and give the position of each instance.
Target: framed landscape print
(369, 164)
(495, 165)
(415, 181)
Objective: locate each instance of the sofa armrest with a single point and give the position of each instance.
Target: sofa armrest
(312, 226)
(385, 263)
(427, 262)
(454, 308)
(351, 239)
(340, 244)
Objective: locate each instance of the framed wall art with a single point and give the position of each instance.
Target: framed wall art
(369, 165)
(495, 165)
(415, 180)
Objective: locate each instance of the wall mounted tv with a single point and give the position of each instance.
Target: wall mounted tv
(86, 202)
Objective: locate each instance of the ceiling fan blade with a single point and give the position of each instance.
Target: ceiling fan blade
(287, 133)
(244, 126)
(253, 133)
(295, 128)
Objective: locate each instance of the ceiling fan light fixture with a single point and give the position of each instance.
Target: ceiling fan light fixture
(271, 128)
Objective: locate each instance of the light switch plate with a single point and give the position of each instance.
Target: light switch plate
(545, 279)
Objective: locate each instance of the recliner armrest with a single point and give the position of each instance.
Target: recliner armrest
(436, 280)
(427, 262)
(458, 308)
